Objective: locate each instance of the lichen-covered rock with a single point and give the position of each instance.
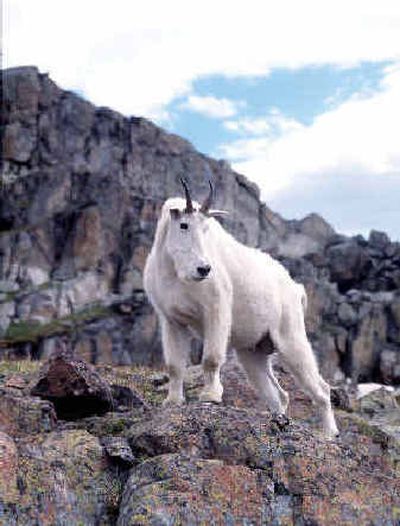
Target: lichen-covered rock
(20, 414)
(175, 489)
(200, 463)
(206, 431)
(376, 399)
(127, 398)
(8, 469)
(62, 478)
(264, 471)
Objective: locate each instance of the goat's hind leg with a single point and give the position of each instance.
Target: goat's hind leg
(300, 360)
(257, 367)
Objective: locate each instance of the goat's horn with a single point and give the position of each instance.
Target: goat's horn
(189, 205)
(205, 207)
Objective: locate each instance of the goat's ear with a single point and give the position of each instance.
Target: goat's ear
(175, 213)
(217, 213)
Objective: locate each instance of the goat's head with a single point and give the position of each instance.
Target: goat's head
(186, 240)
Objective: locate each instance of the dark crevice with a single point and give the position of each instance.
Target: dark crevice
(76, 407)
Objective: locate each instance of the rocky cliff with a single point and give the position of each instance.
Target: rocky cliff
(81, 188)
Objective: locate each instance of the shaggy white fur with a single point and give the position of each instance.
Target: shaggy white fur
(246, 300)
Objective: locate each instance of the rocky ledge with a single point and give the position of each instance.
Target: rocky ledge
(117, 457)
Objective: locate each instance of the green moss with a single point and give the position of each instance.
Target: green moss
(22, 331)
(10, 296)
(115, 427)
(8, 367)
(26, 369)
(32, 331)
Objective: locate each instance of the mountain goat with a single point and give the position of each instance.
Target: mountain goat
(202, 281)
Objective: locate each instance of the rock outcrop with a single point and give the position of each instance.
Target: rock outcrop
(81, 188)
(199, 463)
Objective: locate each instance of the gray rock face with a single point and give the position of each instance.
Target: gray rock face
(347, 263)
(81, 188)
(354, 332)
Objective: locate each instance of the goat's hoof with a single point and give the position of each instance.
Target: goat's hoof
(331, 434)
(173, 401)
(212, 397)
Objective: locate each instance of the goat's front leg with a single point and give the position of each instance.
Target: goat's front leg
(216, 336)
(175, 347)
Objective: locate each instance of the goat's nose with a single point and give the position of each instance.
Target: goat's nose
(204, 270)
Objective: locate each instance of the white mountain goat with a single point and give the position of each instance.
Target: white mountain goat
(202, 281)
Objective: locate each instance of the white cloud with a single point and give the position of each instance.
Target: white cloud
(359, 136)
(256, 126)
(358, 140)
(353, 203)
(211, 106)
(273, 124)
(138, 56)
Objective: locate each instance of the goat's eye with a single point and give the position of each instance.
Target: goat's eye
(184, 226)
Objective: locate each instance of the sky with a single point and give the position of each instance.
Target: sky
(303, 98)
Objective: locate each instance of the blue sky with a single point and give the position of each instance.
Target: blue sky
(301, 97)
(299, 94)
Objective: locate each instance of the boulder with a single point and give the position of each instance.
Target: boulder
(117, 448)
(389, 366)
(347, 315)
(74, 387)
(368, 341)
(379, 240)
(347, 263)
